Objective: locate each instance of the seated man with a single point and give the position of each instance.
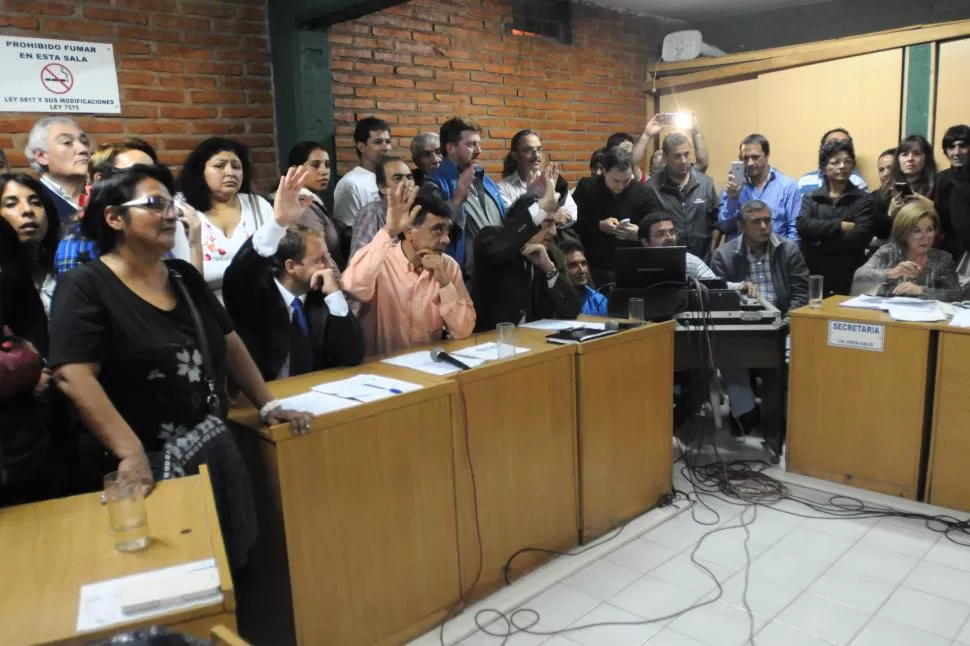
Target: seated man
(594, 303)
(390, 172)
(521, 274)
(771, 266)
(286, 302)
(657, 229)
(409, 289)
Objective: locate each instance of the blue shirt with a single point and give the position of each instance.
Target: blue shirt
(814, 179)
(782, 196)
(73, 250)
(594, 304)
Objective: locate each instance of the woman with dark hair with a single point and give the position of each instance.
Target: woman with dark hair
(316, 161)
(28, 209)
(836, 223)
(522, 173)
(216, 179)
(143, 350)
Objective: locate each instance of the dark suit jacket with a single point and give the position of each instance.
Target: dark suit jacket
(506, 284)
(260, 316)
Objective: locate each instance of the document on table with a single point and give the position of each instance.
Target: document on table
(916, 315)
(422, 361)
(366, 388)
(101, 603)
(316, 403)
(961, 319)
(865, 302)
(557, 325)
(485, 352)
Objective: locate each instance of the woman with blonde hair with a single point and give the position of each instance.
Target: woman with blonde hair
(908, 265)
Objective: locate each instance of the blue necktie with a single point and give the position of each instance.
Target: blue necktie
(301, 360)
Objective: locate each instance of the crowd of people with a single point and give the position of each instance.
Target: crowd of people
(138, 305)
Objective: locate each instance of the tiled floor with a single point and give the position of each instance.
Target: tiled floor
(811, 582)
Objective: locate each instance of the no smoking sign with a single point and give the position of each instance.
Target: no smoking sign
(57, 78)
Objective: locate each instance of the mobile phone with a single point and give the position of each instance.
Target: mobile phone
(903, 188)
(737, 173)
(668, 118)
(624, 221)
(479, 173)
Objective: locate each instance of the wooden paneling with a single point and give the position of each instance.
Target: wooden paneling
(796, 106)
(953, 92)
(726, 113)
(947, 484)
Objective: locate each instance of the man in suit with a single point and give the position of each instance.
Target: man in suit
(521, 275)
(286, 303)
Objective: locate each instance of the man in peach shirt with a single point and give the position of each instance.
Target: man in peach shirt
(409, 290)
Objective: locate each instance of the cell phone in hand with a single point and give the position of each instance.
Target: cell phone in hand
(736, 173)
(624, 221)
(903, 189)
(479, 173)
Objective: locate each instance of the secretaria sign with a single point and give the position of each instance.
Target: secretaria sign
(43, 75)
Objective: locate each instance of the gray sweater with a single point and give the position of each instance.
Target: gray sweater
(938, 279)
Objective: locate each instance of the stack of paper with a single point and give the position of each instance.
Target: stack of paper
(557, 325)
(916, 314)
(366, 388)
(422, 361)
(485, 352)
(961, 319)
(316, 403)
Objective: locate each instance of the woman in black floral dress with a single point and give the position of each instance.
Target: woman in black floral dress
(125, 348)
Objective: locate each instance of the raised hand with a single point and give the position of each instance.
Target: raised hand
(464, 183)
(287, 208)
(538, 255)
(400, 209)
(325, 280)
(193, 223)
(655, 125)
(733, 190)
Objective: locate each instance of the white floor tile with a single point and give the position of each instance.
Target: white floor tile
(765, 530)
(560, 606)
(678, 533)
(874, 562)
(642, 555)
(882, 632)
(765, 598)
(672, 638)
(815, 546)
(652, 598)
(602, 579)
(683, 572)
(628, 635)
(787, 569)
(859, 591)
(950, 554)
(825, 619)
(924, 611)
(776, 634)
(715, 509)
(915, 524)
(908, 542)
(851, 529)
(784, 511)
(482, 638)
(559, 641)
(964, 636)
(727, 549)
(716, 624)
(940, 581)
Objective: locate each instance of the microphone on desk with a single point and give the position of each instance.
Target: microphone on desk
(613, 326)
(440, 356)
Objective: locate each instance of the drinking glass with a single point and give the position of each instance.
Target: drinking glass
(506, 340)
(126, 510)
(815, 293)
(635, 309)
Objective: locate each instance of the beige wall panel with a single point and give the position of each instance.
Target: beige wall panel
(953, 92)
(860, 93)
(726, 114)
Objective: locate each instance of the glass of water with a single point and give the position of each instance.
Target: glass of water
(635, 309)
(815, 293)
(506, 340)
(125, 499)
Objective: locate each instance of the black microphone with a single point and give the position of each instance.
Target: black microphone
(439, 355)
(614, 326)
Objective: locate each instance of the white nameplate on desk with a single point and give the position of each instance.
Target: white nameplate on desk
(859, 336)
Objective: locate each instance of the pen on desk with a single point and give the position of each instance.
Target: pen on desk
(390, 390)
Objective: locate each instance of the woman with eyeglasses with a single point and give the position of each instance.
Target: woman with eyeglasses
(908, 265)
(143, 349)
(836, 222)
(216, 179)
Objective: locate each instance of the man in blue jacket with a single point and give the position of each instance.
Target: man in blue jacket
(474, 197)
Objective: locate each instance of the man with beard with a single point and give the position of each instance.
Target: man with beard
(594, 303)
(953, 191)
(60, 150)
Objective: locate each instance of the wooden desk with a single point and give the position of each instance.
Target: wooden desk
(50, 549)
(358, 542)
(520, 435)
(859, 416)
(950, 446)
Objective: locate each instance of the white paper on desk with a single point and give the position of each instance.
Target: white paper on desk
(100, 603)
(961, 319)
(366, 388)
(316, 403)
(916, 314)
(557, 325)
(886, 303)
(865, 302)
(485, 352)
(422, 361)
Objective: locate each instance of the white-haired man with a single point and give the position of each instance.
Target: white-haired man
(426, 154)
(59, 150)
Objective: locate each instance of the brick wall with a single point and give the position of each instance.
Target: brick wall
(416, 64)
(186, 71)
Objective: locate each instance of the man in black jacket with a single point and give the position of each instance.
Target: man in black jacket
(953, 192)
(520, 275)
(287, 305)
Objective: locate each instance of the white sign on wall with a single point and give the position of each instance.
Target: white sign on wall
(861, 336)
(44, 75)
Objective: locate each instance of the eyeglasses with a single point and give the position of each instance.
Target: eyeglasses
(835, 163)
(157, 203)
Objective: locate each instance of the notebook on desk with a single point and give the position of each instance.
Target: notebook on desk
(578, 335)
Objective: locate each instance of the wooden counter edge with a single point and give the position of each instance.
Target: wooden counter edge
(216, 539)
(627, 336)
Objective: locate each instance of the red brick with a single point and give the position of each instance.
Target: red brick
(133, 49)
(156, 127)
(222, 69)
(245, 112)
(356, 79)
(170, 112)
(218, 40)
(140, 111)
(41, 8)
(412, 70)
(210, 9)
(443, 86)
(152, 95)
(451, 76)
(113, 15)
(258, 69)
(205, 97)
(20, 22)
(359, 104)
(487, 100)
(374, 68)
(218, 127)
(395, 106)
(349, 52)
(150, 64)
(181, 22)
(369, 43)
(183, 52)
(146, 33)
(76, 28)
(389, 57)
(469, 67)
(398, 83)
(441, 63)
(434, 39)
(136, 78)
(414, 48)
